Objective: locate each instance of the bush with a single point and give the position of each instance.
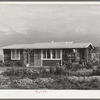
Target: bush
(43, 81)
(60, 70)
(13, 64)
(13, 72)
(76, 66)
(96, 71)
(44, 72)
(18, 64)
(72, 66)
(88, 65)
(52, 70)
(67, 65)
(25, 83)
(85, 82)
(61, 79)
(6, 63)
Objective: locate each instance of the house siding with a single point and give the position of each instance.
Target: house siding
(7, 57)
(50, 62)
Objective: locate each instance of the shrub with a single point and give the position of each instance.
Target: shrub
(60, 70)
(13, 64)
(44, 72)
(72, 66)
(43, 81)
(85, 82)
(67, 65)
(52, 70)
(24, 83)
(18, 64)
(88, 65)
(13, 72)
(61, 79)
(6, 63)
(76, 66)
(96, 71)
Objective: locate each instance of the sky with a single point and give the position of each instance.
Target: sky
(31, 23)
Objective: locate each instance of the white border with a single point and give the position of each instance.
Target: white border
(58, 2)
(50, 94)
(68, 94)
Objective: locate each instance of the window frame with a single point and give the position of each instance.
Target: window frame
(15, 53)
(51, 55)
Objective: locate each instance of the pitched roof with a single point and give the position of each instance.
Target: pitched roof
(48, 45)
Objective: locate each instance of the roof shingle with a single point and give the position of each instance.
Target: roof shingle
(48, 45)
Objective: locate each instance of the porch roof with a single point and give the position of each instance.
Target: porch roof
(52, 45)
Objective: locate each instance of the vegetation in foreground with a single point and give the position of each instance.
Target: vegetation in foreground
(68, 76)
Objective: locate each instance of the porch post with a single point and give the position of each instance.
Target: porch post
(76, 57)
(61, 55)
(41, 56)
(29, 57)
(86, 54)
(90, 54)
(24, 56)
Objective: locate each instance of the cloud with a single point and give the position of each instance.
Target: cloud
(7, 33)
(4, 29)
(23, 31)
(34, 23)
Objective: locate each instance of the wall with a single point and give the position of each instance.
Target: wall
(7, 57)
(50, 62)
(80, 54)
(66, 52)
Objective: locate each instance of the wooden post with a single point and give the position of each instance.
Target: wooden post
(90, 54)
(87, 53)
(61, 55)
(29, 57)
(76, 58)
(24, 57)
(41, 56)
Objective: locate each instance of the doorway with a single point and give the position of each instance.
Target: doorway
(32, 58)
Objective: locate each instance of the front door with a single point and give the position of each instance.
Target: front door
(32, 58)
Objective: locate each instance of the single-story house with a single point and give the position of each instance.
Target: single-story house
(47, 54)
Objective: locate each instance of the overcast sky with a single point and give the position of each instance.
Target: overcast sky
(30, 23)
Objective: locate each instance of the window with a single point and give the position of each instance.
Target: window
(15, 54)
(44, 54)
(55, 54)
(48, 54)
(58, 54)
(51, 54)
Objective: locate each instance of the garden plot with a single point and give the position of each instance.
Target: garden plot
(50, 78)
